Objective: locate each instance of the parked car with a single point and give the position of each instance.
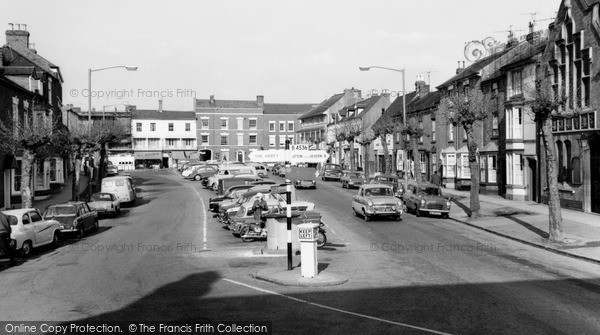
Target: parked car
(352, 179)
(73, 216)
(232, 193)
(112, 170)
(260, 168)
(376, 200)
(198, 172)
(392, 180)
(30, 230)
(121, 187)
(105, 203)
(331, 172)
(426, 198)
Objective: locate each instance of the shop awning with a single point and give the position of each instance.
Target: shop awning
(177, 154)
(147, 155)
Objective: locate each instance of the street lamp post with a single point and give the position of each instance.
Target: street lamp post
(404, 158)
(128, 68)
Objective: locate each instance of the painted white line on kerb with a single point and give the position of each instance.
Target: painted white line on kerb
(204, 214)
(336, 309)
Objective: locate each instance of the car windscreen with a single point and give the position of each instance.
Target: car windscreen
(386, 179)
(377, 192)
(429, 191)
(60, 211)
(101, 197)
(355, 175)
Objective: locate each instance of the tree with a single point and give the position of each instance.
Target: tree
(414, 131)
(469, 110)
(385, 126)
(29, 138)
(349, 130)
(545, 107)
(366, 137)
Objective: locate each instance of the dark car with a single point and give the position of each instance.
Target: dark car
(200, 172)
(352, 179)
(426, 198)
(331, 172)
(232, 193)
(392, 180)
(73, 216)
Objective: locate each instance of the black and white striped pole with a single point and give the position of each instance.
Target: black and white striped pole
(288, 191)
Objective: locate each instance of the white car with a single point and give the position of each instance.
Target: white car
(105, 203)
(377, 200)
(30, 230)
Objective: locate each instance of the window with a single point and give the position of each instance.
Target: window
(494, 127)
(17, 177)
(204, 139)
(224, 139)
(223, 123)
(514, 169)
(516, 83)
(271, 125)
(152, 126)
(450, 133)
(138, 126)
(576, 170)
(153, 143)
(189, 142)
(281, 141)
(139, 143)
(463, 168)
(449, 164)
(240, 139)
(50, 91)
(272, 141)
(290, 126)
(188, 127)
(171, 142)
(240, 123)
(252, 124)
(252, 140)
(171, 126)
(514, 120)
(282, 126)
(432, 130)
(204, 124)
(423, 159)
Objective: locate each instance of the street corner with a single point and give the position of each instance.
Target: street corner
(294, 277)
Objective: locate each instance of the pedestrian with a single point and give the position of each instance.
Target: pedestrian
(260, 208)
(436, 179)
(5, 231)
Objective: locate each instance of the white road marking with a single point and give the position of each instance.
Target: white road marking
(336, 309)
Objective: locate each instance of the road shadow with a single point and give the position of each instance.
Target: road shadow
(462, 206)
(528, 226)
(461, 308)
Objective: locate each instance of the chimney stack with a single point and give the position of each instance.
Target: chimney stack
(421, 87)
(18, 39)
(160, 107)
(212, 100)
(260, 99)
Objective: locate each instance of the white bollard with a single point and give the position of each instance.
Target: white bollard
(308, 234)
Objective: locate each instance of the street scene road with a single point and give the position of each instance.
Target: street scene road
(167, 259)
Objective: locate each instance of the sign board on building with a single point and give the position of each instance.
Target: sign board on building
(308, 156)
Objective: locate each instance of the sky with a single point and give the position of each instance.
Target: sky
(288, 51)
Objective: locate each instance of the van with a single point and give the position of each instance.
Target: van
(121, 187)
(260, 168)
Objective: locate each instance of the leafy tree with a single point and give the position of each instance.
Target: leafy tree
(469, 110)
(545, 107)
(31, 138)
(386, 125)
(366, 137)
(414, 131)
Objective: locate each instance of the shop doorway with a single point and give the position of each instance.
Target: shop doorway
(595, 175)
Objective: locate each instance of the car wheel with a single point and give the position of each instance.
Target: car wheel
(56, 239)
(80, 232)
(398, 217)
(197, 177)
(96, 225)
(213, 187)
(417, 211)
(366, 217)
(354, 210)
(244, 232)
(321, 239)
(445, 216)
(26, 249)
(344, 185)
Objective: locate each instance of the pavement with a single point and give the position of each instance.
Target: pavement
(65, 193)
(528, 222)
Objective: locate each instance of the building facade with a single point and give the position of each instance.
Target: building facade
(229, 130)
(162, 138)
(31, 92)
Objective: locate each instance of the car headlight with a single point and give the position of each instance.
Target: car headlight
(400, 205)
(369, 203)
(448, 204)
(423, 202)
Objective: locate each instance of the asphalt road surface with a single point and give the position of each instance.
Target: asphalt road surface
(167, 259)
